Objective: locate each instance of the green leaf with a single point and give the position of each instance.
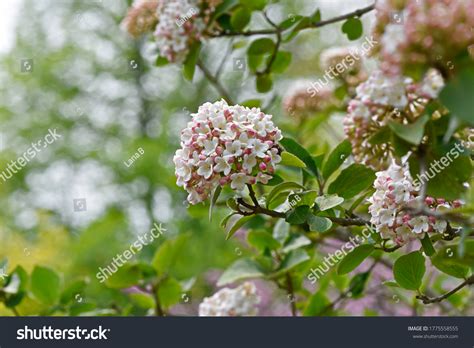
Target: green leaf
(125, 277)
(223, 7)
(142, 300)
(169, 292)
(382, 136)
(254, 4)
(296, 241)
(358, 283)
(352, 260)
(328, 201)
(264, 83)
(262, 240)
(457, 95)
(283, 187)
(299, 151)
(240, 269)
(412, 133)
(234, 223)
(292, 260)
(281, 231)
(252, 103)
(317, 304)
(275, 180)
(298, 215)
(316, 16)
(288, 159)
(353, 28)
(409, 270)
(240, 18)
(167, 254)
(336, 158)
(391, 283)
(45, 285)
(281, 62)
(261, 46)
(72, 290)
(352, 181)
(318, 223)
(190, 62)
(214, 198)
(427, 245)
(448, 260)
(161, 61)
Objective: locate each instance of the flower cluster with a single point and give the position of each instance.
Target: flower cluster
(395, 190)
(298, 102)
(177, 24)
(346, 56)
(141, 18)
(379, 100)
(226, 145)
(418, 34)
(241, 301)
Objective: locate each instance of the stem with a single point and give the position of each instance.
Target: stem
(15, 311)
(357, 13)
(158, 310)
(291, 292)
(427, 300)
(215, 82)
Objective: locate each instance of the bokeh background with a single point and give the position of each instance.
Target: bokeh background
(98, 87)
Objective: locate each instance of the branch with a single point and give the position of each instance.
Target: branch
(427, 300)
(215, 82)
(357, 13)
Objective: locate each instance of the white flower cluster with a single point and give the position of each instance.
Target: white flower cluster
(394, 191)
(241, 301)
(179, 25)
(226, 144)
(379, 100)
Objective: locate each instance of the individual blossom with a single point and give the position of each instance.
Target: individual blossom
(238, 302)
(381, 99)
(394, 191)
(298, 102)
(226, 145)
(416, 35)
(141, 17)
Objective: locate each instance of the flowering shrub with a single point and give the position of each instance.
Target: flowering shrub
(226, 145)
(241, 301)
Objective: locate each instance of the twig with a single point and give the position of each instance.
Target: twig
(427, 300)
(215, 82)
(357, 13)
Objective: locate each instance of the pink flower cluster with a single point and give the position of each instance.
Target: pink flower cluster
(226, 145)
(395, 190)
(379, 100)
(416, 35)
(299, 103)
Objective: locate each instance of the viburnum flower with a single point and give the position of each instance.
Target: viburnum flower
(241, 301)
(141, 17)
(298, 102)
(416, 35)
(379, 100)
(181, 24)
(226, 145)
(394, 191)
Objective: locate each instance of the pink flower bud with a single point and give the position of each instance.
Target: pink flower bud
(429, 200)
(440, 200)
(219, 150)
(267, 159)
(457, 203)
(231, 160)
(262, 166)
(252, 180)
